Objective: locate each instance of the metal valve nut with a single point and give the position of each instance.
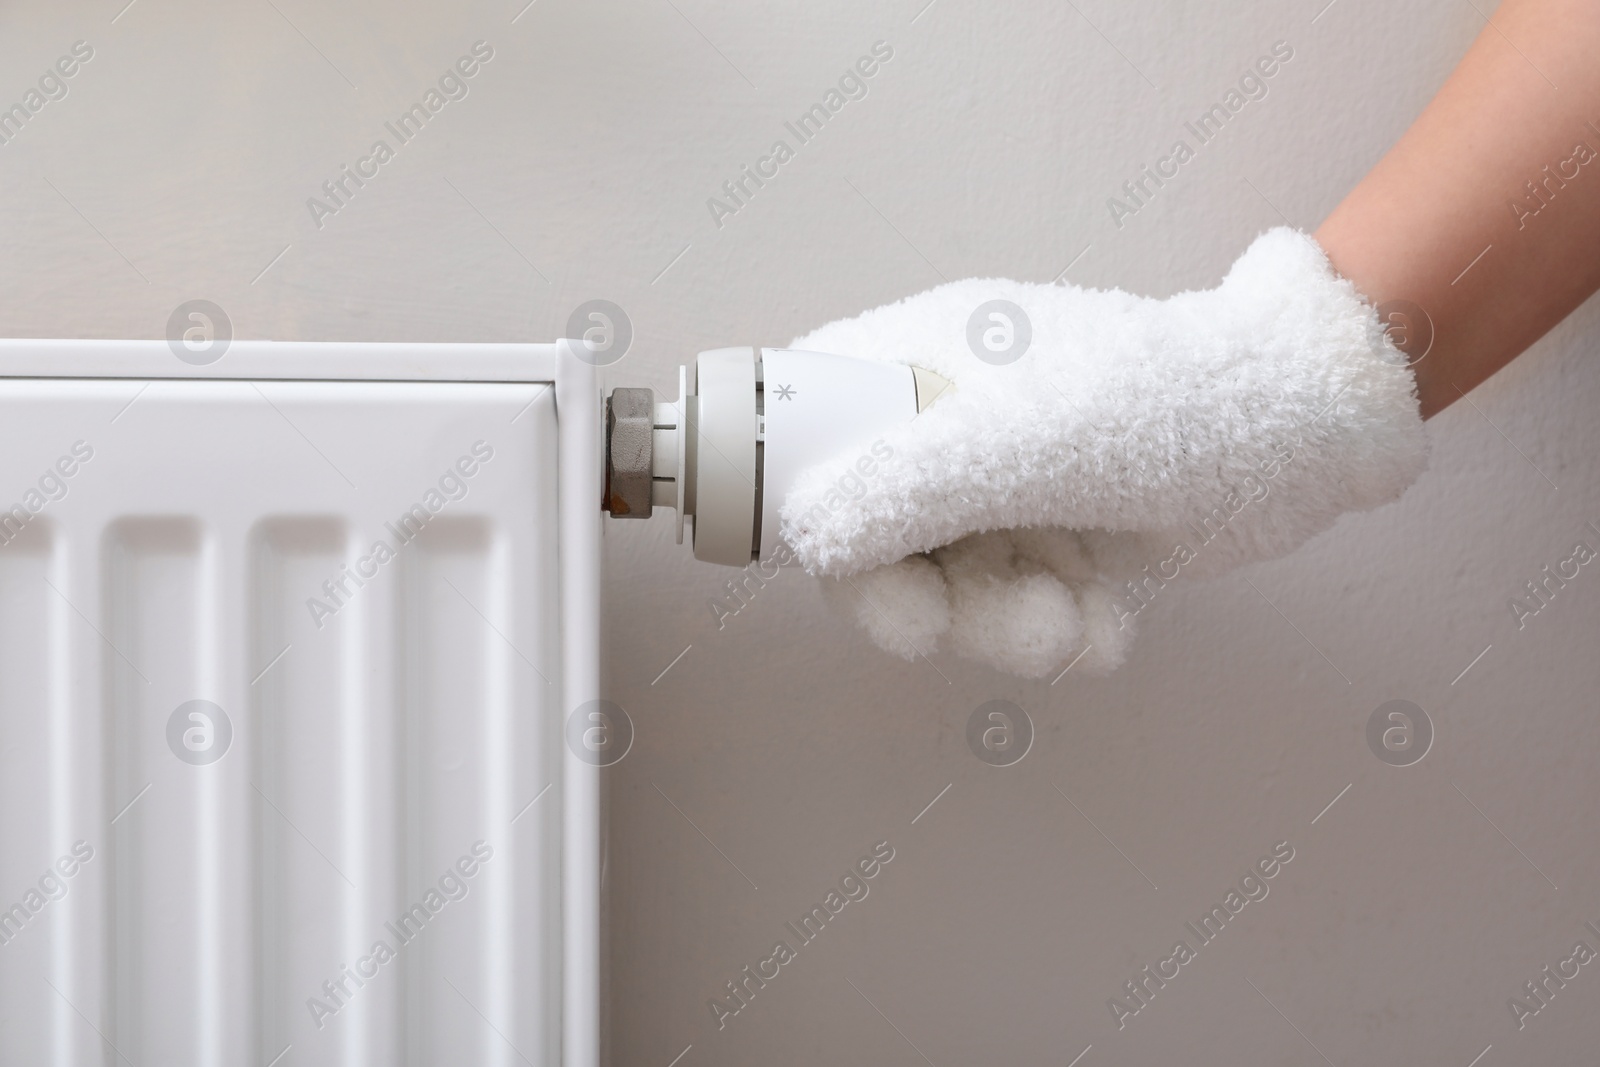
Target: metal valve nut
(630, 438)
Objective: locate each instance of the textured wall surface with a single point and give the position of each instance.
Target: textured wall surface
(778, 749)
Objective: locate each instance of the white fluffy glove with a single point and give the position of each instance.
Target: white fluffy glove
(1030, 512)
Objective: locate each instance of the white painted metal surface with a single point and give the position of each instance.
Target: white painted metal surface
(286, 666)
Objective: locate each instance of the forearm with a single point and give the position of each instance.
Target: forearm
(1418, 226)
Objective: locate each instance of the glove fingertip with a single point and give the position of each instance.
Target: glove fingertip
(902, 607)
(1023, 626)
(1108, 630)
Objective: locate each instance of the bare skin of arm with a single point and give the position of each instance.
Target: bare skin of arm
(1434, 221)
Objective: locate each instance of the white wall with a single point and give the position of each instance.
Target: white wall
(585, 153)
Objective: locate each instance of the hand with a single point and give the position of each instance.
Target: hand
(1094, 436)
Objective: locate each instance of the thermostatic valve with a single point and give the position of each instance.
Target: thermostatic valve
(645, 454)
(729, 448)
(630, 448)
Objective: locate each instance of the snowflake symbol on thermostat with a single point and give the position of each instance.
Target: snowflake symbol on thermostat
(785, 392)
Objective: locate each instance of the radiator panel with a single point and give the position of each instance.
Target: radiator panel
(32, 781)
(386, 768)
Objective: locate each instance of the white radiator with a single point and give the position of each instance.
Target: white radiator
(288, 644)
